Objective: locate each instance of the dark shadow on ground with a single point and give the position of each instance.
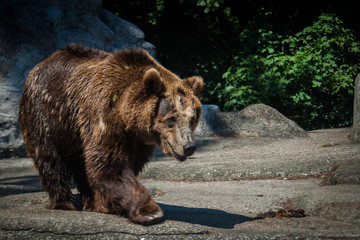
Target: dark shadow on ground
(19, 185)
(203, 216)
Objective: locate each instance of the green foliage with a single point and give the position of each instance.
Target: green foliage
(283, 55)
(308, 76)
(210, 5)
(154, 15)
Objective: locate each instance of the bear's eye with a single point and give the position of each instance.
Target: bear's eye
(171, 121)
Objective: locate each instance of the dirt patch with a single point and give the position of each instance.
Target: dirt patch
(298, 213)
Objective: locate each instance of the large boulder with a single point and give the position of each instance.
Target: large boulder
(256, 120)
(31, 30)
(356, 120)
(209, 121)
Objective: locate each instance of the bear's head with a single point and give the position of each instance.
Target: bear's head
(177, 112)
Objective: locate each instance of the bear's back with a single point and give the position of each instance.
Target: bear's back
(78, 52)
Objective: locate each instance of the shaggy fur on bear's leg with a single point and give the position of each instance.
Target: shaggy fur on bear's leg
(55, 179)
(125, 195)
(87, 203)
(142, 208)
(146, 211)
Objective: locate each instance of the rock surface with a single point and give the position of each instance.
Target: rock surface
(208, 122)
(227, 158)
(273, 173)
(31, 30)
(257, 120)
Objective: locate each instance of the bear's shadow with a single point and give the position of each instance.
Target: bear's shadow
(203, 216)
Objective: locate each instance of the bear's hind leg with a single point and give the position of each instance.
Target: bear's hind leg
(56, 180)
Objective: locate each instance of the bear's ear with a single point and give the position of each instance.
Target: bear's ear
(152, 82)
(196, 84)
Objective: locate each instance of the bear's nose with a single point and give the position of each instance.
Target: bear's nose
(189, 149)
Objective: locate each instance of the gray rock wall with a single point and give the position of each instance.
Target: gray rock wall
(356, 120)
(31, 30)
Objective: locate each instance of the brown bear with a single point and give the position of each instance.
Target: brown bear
(94, 118)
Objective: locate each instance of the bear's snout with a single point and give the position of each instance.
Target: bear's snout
(189, 149)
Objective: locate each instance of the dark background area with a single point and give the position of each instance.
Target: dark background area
(195, 37)
(185, 35)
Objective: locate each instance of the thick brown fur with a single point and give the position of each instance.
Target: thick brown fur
(95, 117)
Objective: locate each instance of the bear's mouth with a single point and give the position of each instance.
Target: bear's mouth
(179, 157)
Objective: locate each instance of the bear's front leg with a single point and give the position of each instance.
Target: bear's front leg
(124, 194)
(141, 207)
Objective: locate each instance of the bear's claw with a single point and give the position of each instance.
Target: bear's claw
(152, 213)
(153, 218)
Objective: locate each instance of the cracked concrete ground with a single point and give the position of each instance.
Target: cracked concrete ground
(217, 194)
